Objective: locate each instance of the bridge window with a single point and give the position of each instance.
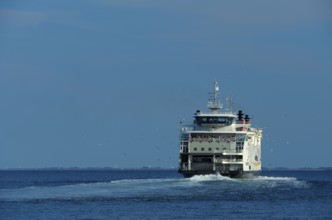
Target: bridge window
(214, 120)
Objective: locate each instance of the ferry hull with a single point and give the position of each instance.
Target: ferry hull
(231, 174)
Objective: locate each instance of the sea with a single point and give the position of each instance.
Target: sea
(163, 194)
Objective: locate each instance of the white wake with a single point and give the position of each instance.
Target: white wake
(130, 188)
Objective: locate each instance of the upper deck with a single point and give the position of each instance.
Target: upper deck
(216, 119)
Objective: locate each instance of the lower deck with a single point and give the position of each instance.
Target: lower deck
(232, 174)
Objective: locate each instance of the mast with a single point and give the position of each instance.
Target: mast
(214, 102)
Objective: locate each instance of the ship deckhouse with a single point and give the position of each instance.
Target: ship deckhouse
(220, 142)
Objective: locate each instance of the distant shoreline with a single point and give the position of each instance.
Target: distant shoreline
(298, 169)
(155, 168)
(89, 168)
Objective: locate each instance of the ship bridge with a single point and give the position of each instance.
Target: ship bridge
(213, 120)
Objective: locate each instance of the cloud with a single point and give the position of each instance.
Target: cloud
(21, 17)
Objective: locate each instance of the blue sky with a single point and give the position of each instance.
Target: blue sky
(105, 83)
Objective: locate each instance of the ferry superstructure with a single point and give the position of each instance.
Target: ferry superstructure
(220, 142)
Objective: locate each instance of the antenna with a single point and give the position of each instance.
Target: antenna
(216, 89)
(230, 99)
(214, 101)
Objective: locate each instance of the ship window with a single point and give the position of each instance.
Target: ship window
(206, 160)
(214, 120)
(217, 148)
(240, 137)
(195, 148)
(210, 148)
(202, 149)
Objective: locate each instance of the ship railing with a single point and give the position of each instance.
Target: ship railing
(234, 160)
(212, 139)
(214, 105)
(229, 152)
(187, 128)
(232, 151)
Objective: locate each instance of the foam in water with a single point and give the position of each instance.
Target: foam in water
(140, 181)
(152, 187)
(210, 177)
(283, 183)
(259, 178)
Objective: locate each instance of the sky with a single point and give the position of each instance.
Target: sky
(102, 83)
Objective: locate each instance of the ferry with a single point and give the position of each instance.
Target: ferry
(220, 142)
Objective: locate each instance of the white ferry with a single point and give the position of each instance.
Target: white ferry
(220, 142)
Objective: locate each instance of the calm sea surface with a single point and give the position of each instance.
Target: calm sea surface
(163, 194)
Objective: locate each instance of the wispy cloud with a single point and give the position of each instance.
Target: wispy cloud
(21, 17)
(15, 18)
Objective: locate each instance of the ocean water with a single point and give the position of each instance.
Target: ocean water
(163, 194)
